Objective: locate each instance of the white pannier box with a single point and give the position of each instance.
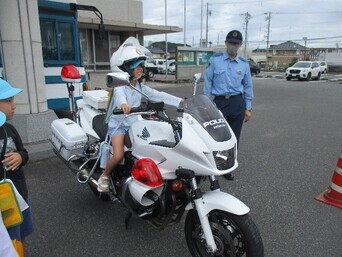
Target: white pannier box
(68, 137)
(98, 99)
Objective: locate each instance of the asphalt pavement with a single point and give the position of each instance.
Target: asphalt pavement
(287, 156)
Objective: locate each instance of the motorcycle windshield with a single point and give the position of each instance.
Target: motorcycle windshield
(206, 113)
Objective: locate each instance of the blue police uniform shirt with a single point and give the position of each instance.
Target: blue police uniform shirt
(225, 76)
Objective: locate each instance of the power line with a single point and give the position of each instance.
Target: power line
(247, 2)
(301, 13)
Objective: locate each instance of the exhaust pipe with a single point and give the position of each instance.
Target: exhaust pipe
(82, 177)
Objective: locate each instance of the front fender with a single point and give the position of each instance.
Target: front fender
(217, 200)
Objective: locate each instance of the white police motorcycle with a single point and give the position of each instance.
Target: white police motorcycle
(166, 163)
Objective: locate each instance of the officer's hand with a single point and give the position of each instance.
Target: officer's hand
(248, 114)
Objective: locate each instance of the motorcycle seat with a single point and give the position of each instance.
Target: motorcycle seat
(163, 143)
(100, 126)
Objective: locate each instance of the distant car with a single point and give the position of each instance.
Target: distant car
(160, 63)
(255, 68)
(172, 68)
(304, 70)
(262, 64)
(169, 66)
(324, 67)
(151, 67)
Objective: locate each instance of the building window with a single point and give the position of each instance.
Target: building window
(115, 42)
(86, 49)
(49, 42)
(58, 41)
(101, 51)
(66, 41)
(96, 52)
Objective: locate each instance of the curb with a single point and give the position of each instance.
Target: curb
(39, 151)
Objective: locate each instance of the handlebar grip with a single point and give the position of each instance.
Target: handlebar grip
(136, 109)
(133, 110)
(117, 111)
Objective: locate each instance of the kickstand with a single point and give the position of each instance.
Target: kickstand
(127, 219)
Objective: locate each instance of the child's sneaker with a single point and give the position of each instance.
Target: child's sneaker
(103, 183)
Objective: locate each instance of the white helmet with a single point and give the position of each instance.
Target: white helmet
(129, 55)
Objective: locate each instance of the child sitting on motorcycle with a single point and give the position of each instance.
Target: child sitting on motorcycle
(128, 58)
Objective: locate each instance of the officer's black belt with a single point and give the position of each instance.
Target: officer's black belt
(227, 96)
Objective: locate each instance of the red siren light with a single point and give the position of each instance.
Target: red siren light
(70, 74)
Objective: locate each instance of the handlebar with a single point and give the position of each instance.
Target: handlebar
(154, 109)
(159, 106)
(133, 110)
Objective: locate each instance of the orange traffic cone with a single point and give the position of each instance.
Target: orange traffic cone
(333, 195)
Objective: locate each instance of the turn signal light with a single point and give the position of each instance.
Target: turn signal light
(85, 87)
(147, 172)
(177, 185)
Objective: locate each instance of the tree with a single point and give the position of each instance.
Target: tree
(293, 61)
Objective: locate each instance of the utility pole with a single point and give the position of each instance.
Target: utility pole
(247, 18)
(166, 40)
(305, 39)
(206, 33)
(268, 19)
(184, 22)
(201, 22)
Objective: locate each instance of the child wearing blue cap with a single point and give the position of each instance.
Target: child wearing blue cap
(14, 157)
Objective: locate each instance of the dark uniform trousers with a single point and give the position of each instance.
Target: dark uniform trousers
(233, 109)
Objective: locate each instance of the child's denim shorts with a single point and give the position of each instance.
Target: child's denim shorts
(116, 131)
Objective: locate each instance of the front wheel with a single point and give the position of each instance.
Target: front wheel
(150, 74)
(234, 235)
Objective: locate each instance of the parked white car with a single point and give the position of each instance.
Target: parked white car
(324, 67)
(169, 66)
(304, 70)
(172, 68)
(151, 67)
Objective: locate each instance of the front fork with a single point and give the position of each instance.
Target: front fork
(202, 214)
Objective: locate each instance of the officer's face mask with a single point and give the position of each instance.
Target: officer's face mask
(232, 49)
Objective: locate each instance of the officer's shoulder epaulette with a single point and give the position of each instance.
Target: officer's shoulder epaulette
(243, 59)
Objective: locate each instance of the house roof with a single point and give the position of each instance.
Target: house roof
(258, 50)
(156, 50)
(288, 45)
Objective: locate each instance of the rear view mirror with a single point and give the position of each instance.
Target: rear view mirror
(117, 79)
(197, 77)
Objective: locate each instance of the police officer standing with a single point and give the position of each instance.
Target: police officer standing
(228, 79)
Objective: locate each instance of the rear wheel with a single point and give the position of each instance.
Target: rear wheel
(234, 235)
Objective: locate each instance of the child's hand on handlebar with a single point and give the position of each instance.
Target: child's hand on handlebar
(126, 108)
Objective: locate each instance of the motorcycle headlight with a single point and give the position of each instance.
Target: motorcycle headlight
(224, 159)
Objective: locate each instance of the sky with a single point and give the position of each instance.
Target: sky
(318, 21)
